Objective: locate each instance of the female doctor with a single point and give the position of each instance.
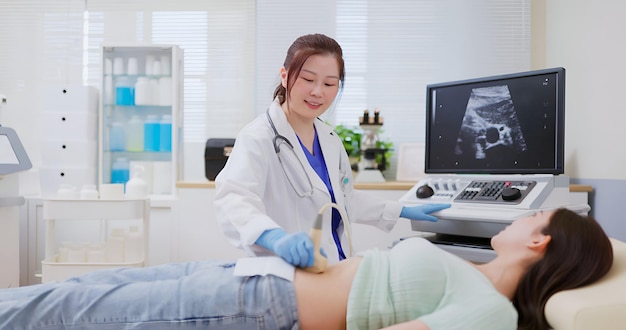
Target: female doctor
(287, 165)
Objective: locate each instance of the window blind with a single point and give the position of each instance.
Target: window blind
(233, 50)
(217, 38)
(394, 48)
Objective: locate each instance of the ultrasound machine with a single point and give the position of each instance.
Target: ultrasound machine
(495, 151)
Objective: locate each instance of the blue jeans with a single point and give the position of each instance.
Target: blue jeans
(173, 296)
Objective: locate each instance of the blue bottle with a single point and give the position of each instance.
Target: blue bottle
(117, 137)
(124, 92)
(120, 171)
(165, 136)
(151, 134)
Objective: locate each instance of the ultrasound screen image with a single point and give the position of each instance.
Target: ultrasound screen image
(490, 123)
(510, 124)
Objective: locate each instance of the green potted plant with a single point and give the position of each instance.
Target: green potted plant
(351, 138)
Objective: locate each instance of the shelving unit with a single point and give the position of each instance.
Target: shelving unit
(87, 224)
(141, 83)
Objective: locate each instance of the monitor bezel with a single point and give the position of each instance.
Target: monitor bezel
(559, 167)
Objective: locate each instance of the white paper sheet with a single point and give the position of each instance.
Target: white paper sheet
(264, 266)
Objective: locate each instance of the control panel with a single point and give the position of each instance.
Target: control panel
(484, 191)
(509, 192)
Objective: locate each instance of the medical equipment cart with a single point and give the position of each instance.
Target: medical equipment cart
(88, 235)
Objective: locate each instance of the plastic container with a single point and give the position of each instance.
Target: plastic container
(166, 65)
(165, 91)
(136, 187)
(133, 245)
(117, 137)
(156, 68)
(124, 92)
(134, 136)
(76, 253)
(148, 67)
(66, 191)
(154, 87)
(114, 246)
(120, 170)
(151, 132)
(143, 92)
(118, 66)
(89, 191)
(96, 253)
(165, 133)
(132, 68)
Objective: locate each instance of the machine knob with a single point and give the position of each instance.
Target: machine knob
(511, 194)
(424, 191)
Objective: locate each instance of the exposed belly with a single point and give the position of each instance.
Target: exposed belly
(323, 298)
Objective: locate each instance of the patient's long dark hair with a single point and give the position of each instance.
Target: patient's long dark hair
(578, 254)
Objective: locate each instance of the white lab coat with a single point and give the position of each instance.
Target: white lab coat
(253, 194)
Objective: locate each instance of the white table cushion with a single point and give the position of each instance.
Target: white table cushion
(601, 305)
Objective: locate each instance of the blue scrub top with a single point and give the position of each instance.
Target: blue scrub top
(319, 165)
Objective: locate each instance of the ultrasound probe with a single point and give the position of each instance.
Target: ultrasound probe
(319, 261)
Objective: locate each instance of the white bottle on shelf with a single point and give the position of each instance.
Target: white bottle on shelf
(114, 246)
(95, 253)
(154, 88)
(166, 66)
(136, 187)
(143, 92)
(133, 246)
(165, 91)
(89, 191)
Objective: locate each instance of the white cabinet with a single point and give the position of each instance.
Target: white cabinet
(87, 235)
(69, 142)
(141, 115)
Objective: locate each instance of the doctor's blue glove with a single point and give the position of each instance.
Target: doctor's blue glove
(297, 248)
(421, 212)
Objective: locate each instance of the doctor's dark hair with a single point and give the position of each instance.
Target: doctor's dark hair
(578, 254)
(303, 48)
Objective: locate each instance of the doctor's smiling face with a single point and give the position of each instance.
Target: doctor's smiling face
(311, 77)
(315, 87)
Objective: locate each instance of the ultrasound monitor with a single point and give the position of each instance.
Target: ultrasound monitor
(13, 157)
(506, 124)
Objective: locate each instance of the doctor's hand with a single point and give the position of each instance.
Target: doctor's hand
(297, 248)
(421, 212)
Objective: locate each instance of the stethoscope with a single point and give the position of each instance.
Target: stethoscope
(277, 141)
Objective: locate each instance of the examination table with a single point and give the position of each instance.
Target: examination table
(601, 305)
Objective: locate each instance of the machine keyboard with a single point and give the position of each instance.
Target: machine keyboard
(509, 192)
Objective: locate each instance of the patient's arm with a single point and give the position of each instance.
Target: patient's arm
(411, 325)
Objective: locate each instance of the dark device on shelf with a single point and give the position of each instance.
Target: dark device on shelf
(216, 154)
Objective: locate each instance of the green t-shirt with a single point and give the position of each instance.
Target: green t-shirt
(417, 280)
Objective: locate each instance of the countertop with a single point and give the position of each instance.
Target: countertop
(390, 185)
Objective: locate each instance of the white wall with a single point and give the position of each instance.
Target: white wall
(586, 37)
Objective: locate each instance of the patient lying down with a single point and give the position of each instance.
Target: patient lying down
(415, 285)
